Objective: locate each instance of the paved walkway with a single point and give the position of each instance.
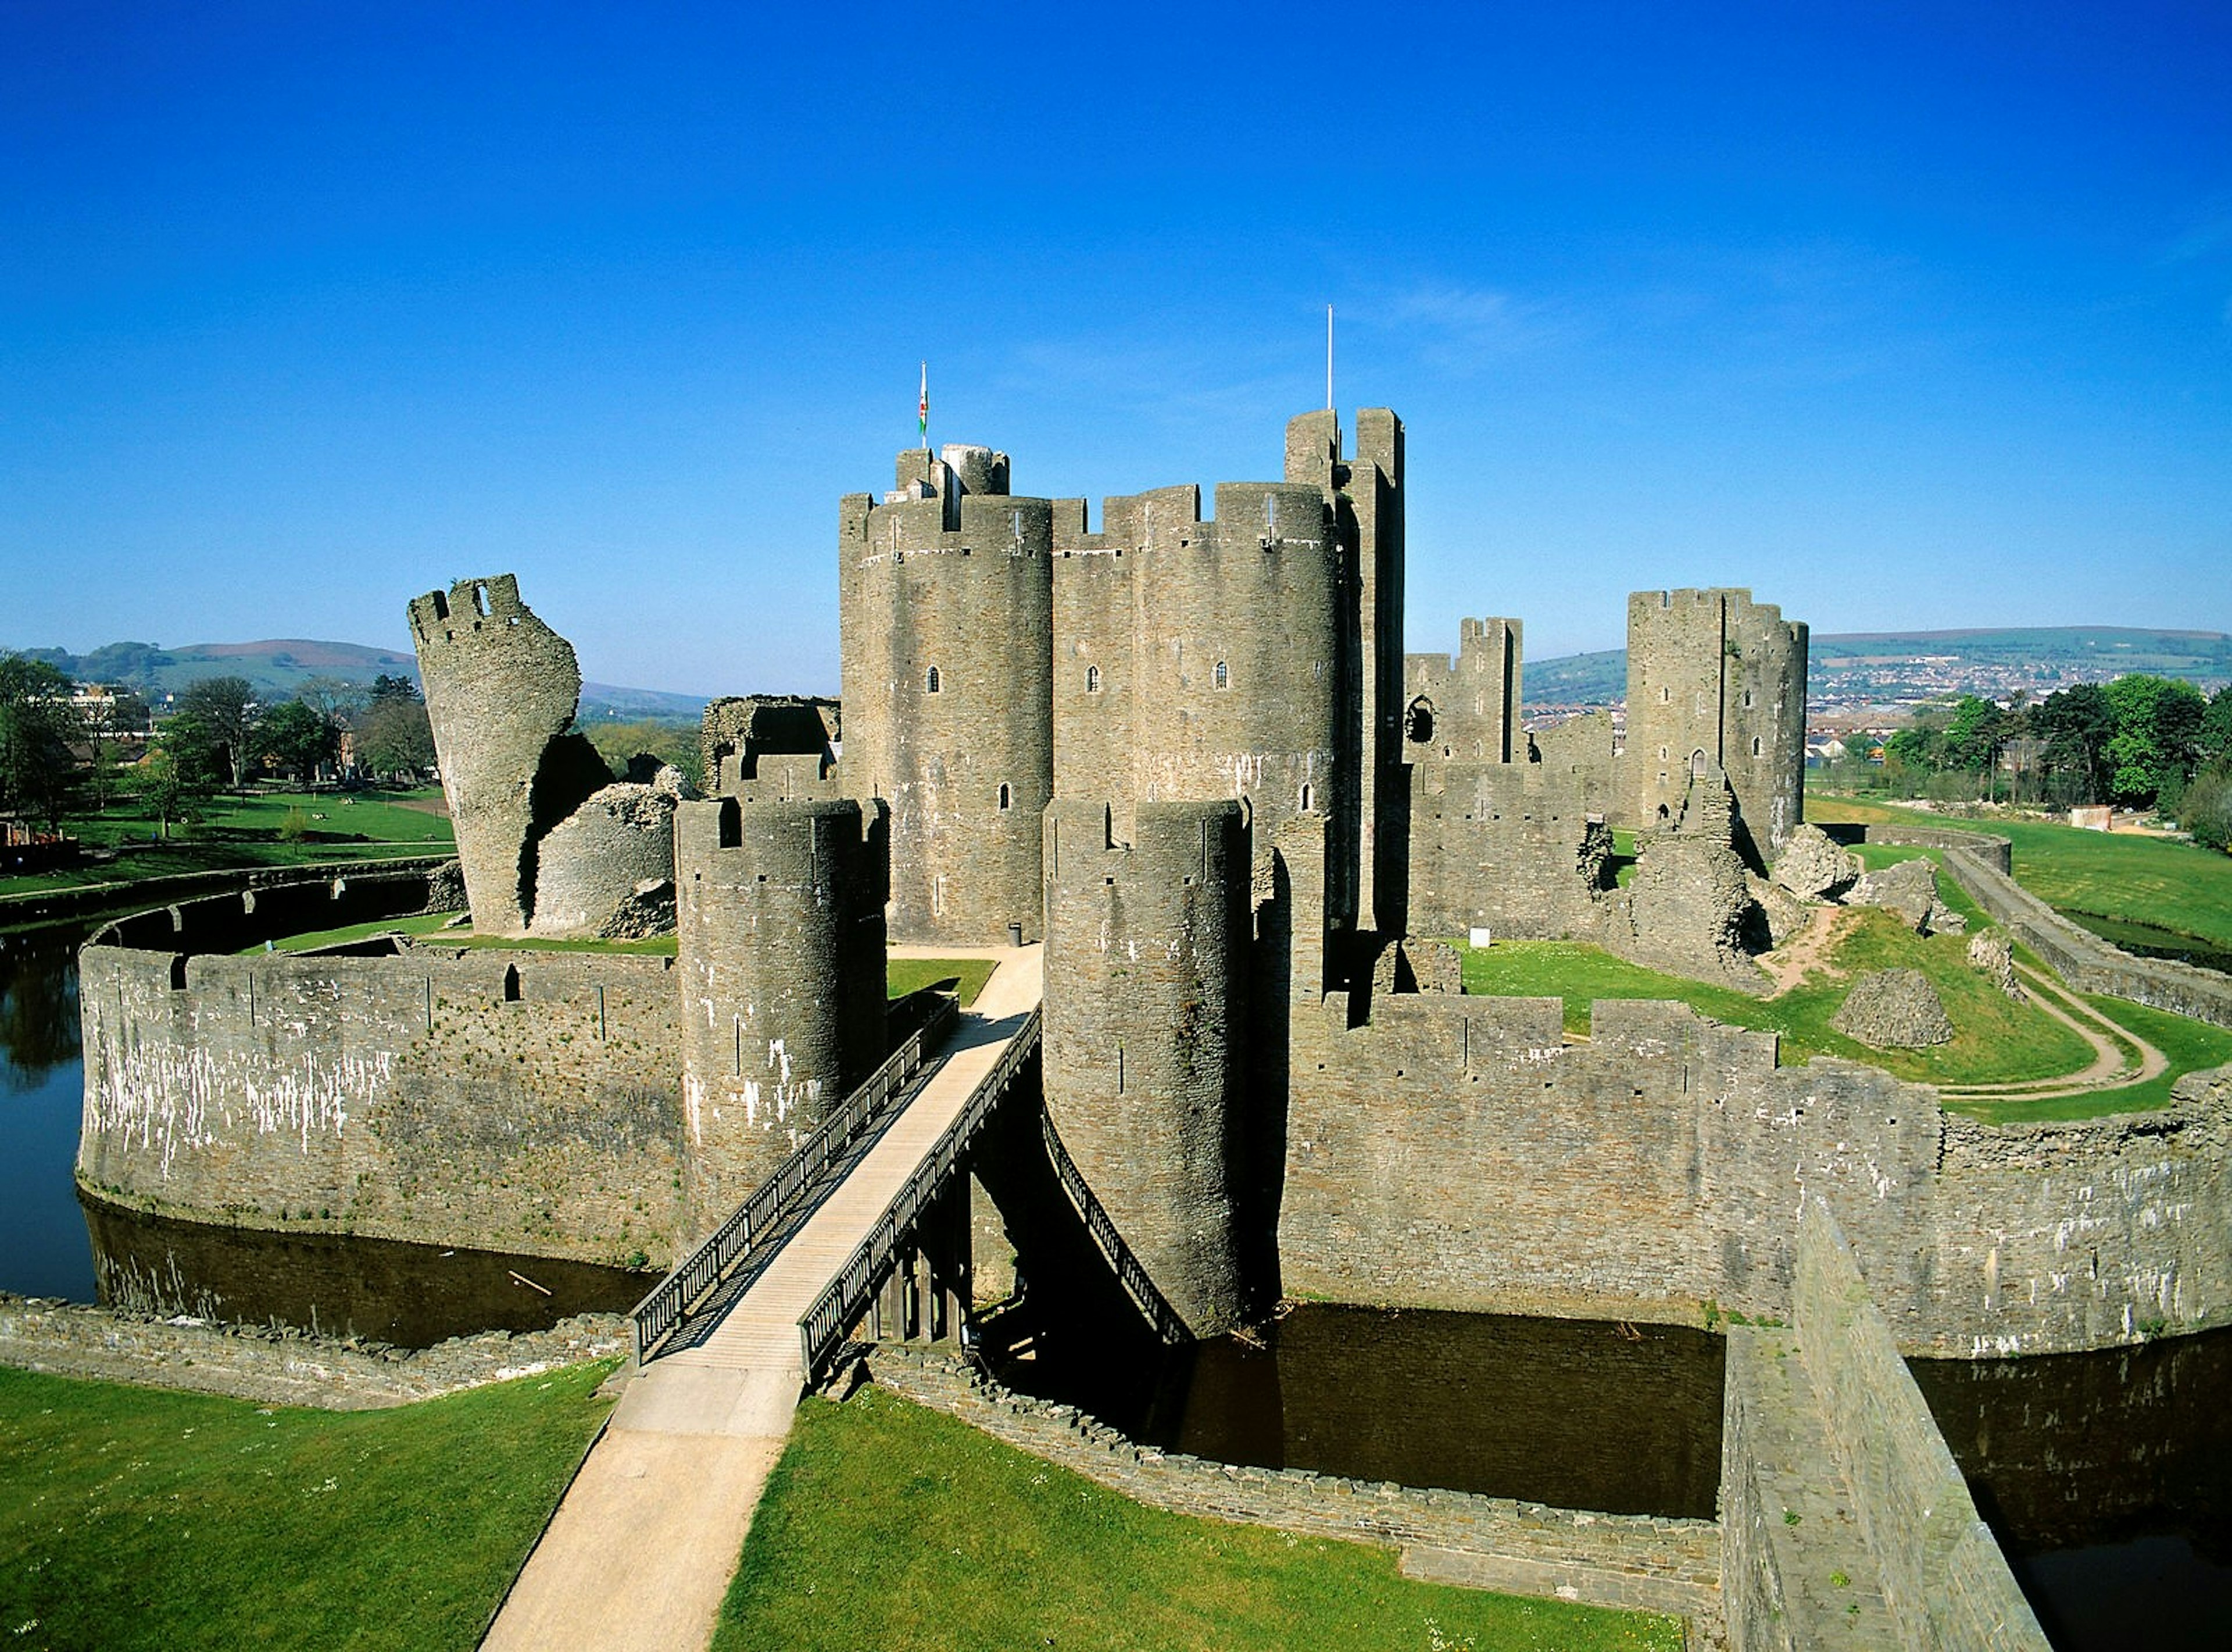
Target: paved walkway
(642, 1548)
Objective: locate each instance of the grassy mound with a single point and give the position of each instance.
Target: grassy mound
(134, 1517)
(890, 1526)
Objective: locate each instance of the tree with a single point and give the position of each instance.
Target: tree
(335, 699)
(171, 790)
(2206, 808)
(226, 706)
(394, 737)
(2075, 724)
(298, 737)
(386, 689)
(1974, 735)
(107, 721)
(2216, 739)
(37, 724)
(2158, 725)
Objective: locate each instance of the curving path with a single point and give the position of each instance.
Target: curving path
(2110, 1068)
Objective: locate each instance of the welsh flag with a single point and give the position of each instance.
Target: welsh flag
(922, 408)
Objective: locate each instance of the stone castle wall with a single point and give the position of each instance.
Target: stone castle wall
(780, 937)
(946, 634)
(1457, 1153)
(495, 1099)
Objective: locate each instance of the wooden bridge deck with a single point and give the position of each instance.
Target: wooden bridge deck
(641, 1549)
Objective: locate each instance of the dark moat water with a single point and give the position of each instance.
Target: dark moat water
(2145, 941)
(1626, 1420)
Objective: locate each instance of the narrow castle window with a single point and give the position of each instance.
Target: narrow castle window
(1093, 679)
(1309, 795)
(512, 984)
(1005, 795)
(1221, 677)
(1755, 746)
(930, 682)
(1664, 694)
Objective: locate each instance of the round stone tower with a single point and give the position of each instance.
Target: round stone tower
(1145, 1014)
(779, 916)
(946, 610)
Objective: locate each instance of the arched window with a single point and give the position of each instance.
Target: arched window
(1093, 679)
(1698, 764)
(1220, 676)
(1006, 797)
(1419, 722)
(1755, 746)
(1309, 796)
(930, 683)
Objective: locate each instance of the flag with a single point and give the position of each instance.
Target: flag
(922, 409)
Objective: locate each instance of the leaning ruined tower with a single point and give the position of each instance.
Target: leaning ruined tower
(1715, 680)
(945, 607)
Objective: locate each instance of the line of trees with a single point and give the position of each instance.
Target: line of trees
(55, 758)
(2140, 741)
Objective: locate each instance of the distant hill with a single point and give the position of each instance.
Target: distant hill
(280, 667)
(1902, 668)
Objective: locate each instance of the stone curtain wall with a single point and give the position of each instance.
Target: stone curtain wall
(1457, 1153)
(519, 1100)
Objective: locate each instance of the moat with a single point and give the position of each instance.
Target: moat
(2107, 1476)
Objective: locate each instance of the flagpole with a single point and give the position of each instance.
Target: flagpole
(1329, 358)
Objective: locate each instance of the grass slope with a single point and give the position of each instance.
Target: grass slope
(1997, 1040)
(266, 829)
(132, 1517)
(887, 1526)
(2156, 881)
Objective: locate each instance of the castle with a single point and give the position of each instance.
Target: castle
(1190, 756)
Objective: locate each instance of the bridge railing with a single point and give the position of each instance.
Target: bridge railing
(658, 1314)
(841, 1302)
(1134, 1278)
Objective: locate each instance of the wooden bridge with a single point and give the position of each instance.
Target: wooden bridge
(641, 1549)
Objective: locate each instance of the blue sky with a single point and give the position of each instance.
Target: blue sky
(1904, 317)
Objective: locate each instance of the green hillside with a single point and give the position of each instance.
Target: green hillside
(1925, 662)
(280, 668)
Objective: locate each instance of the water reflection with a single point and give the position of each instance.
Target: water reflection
(1577, 1414)
(383, 1289)
(43, 1241)
(2108, 1478)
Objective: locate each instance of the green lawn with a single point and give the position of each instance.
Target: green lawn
(276, 829)
(965, 976)
(2192, 1046)
(892, 1527)
(1995, 1040)
(134, 1517)
(2134, 879)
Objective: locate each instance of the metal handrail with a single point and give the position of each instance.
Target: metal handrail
(822, 1327)
(1137, 1282)
(669, 1303)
